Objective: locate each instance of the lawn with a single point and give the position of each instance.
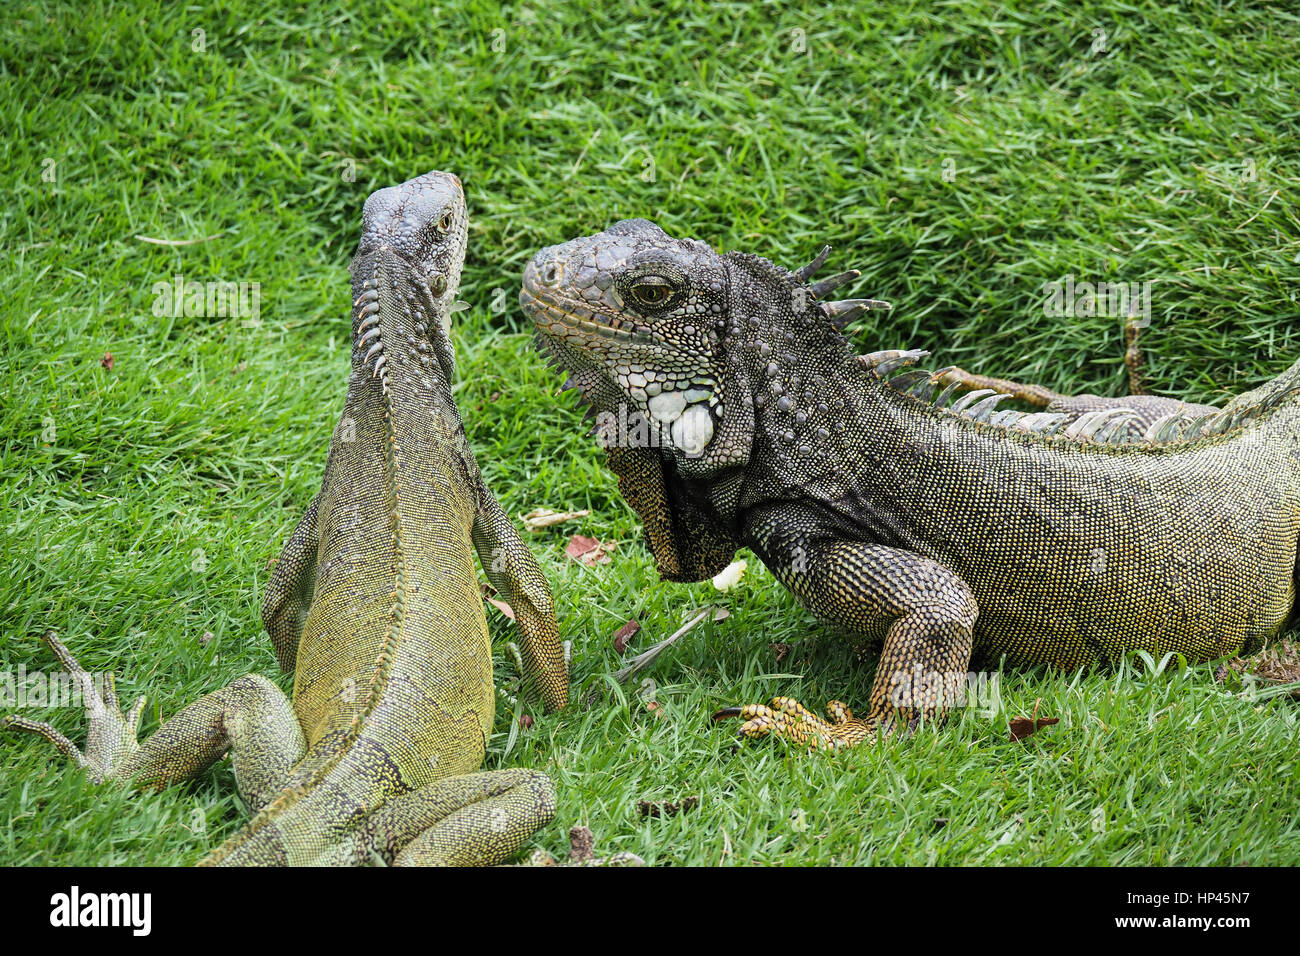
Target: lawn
(961, 155)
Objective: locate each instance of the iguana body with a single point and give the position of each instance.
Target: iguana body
(734, 413)
(375, 607)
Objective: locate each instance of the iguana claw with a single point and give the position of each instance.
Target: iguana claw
(786, 717)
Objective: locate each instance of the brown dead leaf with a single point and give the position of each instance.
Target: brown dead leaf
(782, 651)
(107, 361)
(526, 721)
(589, 551)
(1022, 727)
(665, 808)
(655, 707)
(501, 606)
(206, 639)
(625, 634)
(540, 518)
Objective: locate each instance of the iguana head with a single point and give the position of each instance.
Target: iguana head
(673, 345)
(405, 276)
(635, 317)
(652, 326)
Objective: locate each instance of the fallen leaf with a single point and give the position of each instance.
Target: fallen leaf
(664, 808)
(206, 638)
(1022, 727)
(730, 576)
(655, 707)
(782, 651)
(588, 550)
(625, 634)
(721, 613)
(107, 361)
(502, 606)
(526, 721)
(540, 518)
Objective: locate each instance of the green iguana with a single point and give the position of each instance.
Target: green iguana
(375, 607)
(895, 506)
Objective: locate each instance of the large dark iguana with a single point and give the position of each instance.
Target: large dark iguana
(893, 504)
(375, 607)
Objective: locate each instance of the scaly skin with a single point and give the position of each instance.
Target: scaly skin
(896, 508)
(375, 607)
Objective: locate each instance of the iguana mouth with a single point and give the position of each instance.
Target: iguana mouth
(569, 314)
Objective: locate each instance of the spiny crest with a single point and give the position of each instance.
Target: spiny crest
(1108, 426)
(368, 337)
(840, 312)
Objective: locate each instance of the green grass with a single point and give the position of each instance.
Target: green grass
(143, 503)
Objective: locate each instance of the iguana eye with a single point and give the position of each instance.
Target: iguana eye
(444, 223)
(652, 290)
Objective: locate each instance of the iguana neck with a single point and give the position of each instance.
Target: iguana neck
(785, 371)
(400, 347)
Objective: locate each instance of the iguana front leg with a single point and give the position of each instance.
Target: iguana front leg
(786, 717)
(289, 592)
(250, 717)
(514, 572)
(925, 612)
